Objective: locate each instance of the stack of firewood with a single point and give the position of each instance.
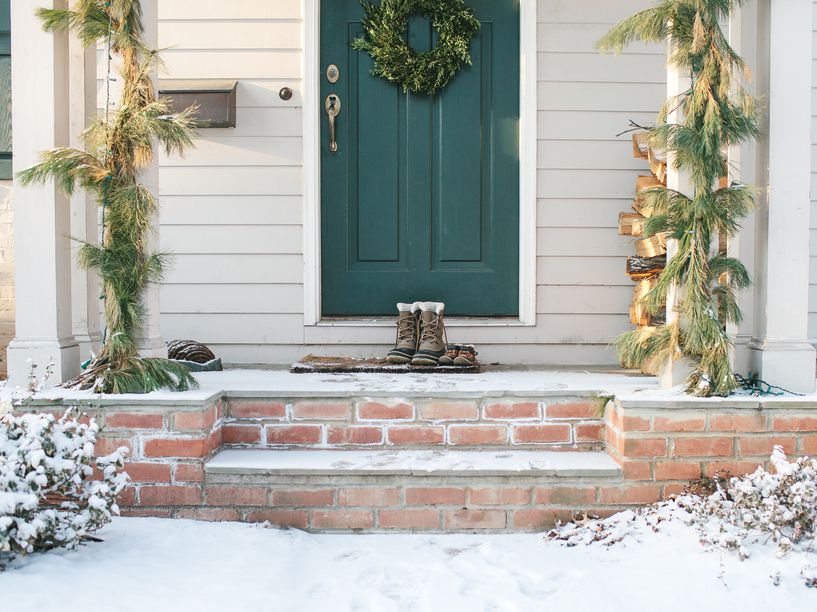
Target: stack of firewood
(650, 256)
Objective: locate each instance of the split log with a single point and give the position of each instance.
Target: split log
(658, 165)
(641, 147)
(643, 183)
(643, 267)
(630, 224)
(638, 315)
(652, 246)
(643, 287)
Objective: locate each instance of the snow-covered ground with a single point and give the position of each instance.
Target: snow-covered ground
(174, 566)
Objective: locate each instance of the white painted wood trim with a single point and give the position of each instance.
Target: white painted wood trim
(527, 170)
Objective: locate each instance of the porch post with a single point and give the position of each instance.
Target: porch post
(675, 372)
(84, 210)
(781, 352)
(149, 339)
(42, 259)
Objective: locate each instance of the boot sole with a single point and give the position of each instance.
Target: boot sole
(464, 362)
(425, 361)
(398, 360)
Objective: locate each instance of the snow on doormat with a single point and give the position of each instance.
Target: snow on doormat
(312, 364)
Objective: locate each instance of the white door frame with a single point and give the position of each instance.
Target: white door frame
(312, 72)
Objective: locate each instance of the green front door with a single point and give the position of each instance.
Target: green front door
(421, 199)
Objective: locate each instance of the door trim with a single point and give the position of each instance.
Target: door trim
(311, 69)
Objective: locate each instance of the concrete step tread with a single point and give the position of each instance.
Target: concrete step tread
(414, 462)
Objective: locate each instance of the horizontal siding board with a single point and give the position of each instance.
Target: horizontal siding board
(618, 184)
(219, 34)
(239, 151)
(597, 11)
(620, 97)
(231, 64)
(232, 239)
(590, 125)
(580, 213)
(585, 270)
(232, 269)
(236, 9)
(246, 328)
(593, 67)
(587, 154)
(231, 298)
(581, 241)
(580, 300)
(231, 210)
(227, 181)
(582, 38)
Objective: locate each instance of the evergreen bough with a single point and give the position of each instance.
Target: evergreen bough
(717, 112)
(118, 146)
(384, 27)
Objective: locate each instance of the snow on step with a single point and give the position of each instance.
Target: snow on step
(414, 462)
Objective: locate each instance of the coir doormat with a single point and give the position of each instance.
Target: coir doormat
(317, 363)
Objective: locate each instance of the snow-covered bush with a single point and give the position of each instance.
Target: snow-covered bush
(778, 506)
(54, 491)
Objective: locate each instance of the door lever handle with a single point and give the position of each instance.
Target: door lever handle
(332, 106)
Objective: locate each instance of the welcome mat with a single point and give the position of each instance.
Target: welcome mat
(318, 364)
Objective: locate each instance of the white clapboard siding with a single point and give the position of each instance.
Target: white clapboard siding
(233, 207)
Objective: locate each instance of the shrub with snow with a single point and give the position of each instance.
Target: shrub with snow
(54, 491)
(778, 506)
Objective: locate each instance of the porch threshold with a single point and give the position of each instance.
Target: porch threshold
(554, 464)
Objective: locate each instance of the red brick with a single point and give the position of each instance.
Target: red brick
(679, 424)
(302, 497)
(342, 519)
(199, 420)
(672, 489)
(256, 409)
(240, 434)
(209, 514)
(494, 496)
(571, 410)
(148, 472)
(106, 446)
(449, 411)
(416, 435)
(763, 445)
(634, 423)
(808, 444)
(795, 424)
(170, 496)
(293, 434)
(354, 435)
(378, 411)
(176, 447)
(368, 497)
(636, 470)
(435, 495)
(151, 512)
(513, 410)
(127, 497)
(644, 447)
(130, 420)
(189, 472)
(704, 447)
(638, 494)
(477, 435)
(565, 496)
(677, 470)
(322, 410)
(538, 434)
(475, 519)
(409, 518)
(236, 496)
(279, 518)
(738, 422)
(589, 432)
(735, 468)
(539, 518)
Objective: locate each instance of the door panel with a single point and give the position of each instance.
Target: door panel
(421, 200)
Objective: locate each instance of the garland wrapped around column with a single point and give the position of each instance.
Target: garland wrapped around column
(119, 145)
(717, 112)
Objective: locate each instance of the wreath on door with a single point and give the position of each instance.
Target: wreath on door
(384, 38)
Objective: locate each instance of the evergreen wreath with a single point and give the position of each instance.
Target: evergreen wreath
(385, 25)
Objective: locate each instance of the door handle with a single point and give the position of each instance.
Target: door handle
(332, 106)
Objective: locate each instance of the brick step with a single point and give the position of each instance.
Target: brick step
(445, 490)
(560, 421)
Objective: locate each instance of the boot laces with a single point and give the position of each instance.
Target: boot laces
(406, 328)
(430, 328)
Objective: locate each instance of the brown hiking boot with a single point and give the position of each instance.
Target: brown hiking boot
(407, 324)
(451, 352)
(432, 334)
(467, 355)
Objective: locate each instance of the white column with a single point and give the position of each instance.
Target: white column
(743, 168)
(84, 208)
(41, 214)
(781, 353)
(678, 81)
(150, 340)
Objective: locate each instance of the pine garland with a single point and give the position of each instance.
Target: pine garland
(385, 26)
(119, 146)
(717, 112)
